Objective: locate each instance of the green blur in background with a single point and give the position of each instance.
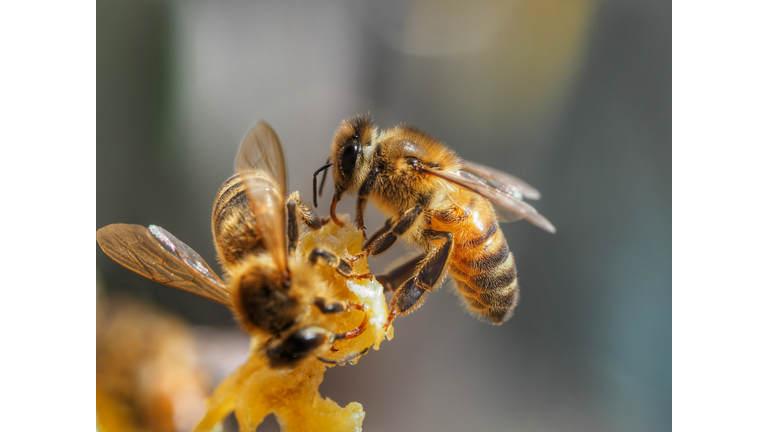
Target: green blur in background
(573, 96)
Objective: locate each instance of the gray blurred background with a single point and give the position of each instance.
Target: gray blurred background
(574, 96)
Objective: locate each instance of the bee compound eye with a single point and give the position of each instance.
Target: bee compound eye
(297, 346)
(349, 157)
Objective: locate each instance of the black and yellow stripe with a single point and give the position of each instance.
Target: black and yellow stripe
(484, 271)
(234, 227)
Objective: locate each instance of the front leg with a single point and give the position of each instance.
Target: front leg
(333, 260)
(295, 208)
(362, 197)
(385, 241)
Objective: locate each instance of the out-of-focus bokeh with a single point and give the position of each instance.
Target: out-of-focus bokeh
(573, 96)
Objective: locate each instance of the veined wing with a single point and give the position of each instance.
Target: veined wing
(261, 167)
(502, 181)
(509, 207)
(157, 255)
(260, 151)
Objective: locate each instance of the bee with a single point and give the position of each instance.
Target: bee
(274, 294)
(448, 206)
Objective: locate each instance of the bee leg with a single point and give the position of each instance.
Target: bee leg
(397, 276)
(407, 297)
(353, 333)
(362, 197)
(380, 232)
(292, 227)
(335, 308)
(410, 294)
(385, 241)
(345, 359)
(296, 207)
(436, 261)
(333, 260)
(305, 211)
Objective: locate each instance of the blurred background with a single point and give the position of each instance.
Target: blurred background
(573, 96)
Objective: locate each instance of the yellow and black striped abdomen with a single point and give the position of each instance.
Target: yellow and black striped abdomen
(233, 224)
(481, 264)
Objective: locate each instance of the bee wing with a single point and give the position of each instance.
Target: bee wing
(156, 254)
(502, 181)
(508, 206)
(261, 167)
(261, 151)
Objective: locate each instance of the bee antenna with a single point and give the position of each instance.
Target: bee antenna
(345, 359)
(322, 182)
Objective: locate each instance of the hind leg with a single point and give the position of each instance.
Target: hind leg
(409, 296)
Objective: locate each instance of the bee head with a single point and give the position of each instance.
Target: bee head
(347, 157)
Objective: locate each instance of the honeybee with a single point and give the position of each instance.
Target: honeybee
(449, 206)
(272, 292)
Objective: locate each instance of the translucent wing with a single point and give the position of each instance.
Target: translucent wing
(261, 151)
(510, 207)
(503, 215)
(156, 254)
(502, 181)
(261, 167)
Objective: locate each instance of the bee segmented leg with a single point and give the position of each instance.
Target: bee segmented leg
(350, 334)
(310, 218)
(293, 226)
(407, 298)
(296, 207)
(411, 293)
(345, 359)
(390, 318)
(362, 197)
(380, 232)
(342, 267)
(397, 276)
(384, 240)
(437, 260)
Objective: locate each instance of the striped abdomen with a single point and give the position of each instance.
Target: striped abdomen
(481, 263)
(233, 224)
